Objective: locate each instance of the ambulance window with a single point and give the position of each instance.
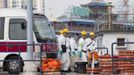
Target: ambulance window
(2, 20)
(17, 29)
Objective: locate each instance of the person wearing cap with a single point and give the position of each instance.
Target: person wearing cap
(64, 46)
(81, 43)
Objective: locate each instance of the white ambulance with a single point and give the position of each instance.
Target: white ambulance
(13, 30)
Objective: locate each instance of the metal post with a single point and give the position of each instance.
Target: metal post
(29, 29)
(112, 53)
(4, 3)
(110, 15)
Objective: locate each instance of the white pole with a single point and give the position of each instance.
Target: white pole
(92, 65)
(30, 29)
(4, 3)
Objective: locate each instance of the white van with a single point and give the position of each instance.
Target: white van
(13, 26)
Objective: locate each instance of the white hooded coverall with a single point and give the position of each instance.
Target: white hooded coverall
(74, 48)
(73, 45)
(81, 44)
(90, 45)
(65, 59)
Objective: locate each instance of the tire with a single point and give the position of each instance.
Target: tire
(14, 67)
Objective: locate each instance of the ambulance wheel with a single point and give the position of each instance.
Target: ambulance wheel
(13, 66)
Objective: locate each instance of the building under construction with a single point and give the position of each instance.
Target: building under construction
(81, 18)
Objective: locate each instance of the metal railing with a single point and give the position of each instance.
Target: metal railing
(73, 28)
(18, 48)
(115, 59)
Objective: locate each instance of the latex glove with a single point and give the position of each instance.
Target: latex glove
(60, 52)
(74, 53)
(80, 54)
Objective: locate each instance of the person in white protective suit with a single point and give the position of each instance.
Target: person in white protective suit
(64, 46)
(81, 43)
(74, 51)
(90, 47)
